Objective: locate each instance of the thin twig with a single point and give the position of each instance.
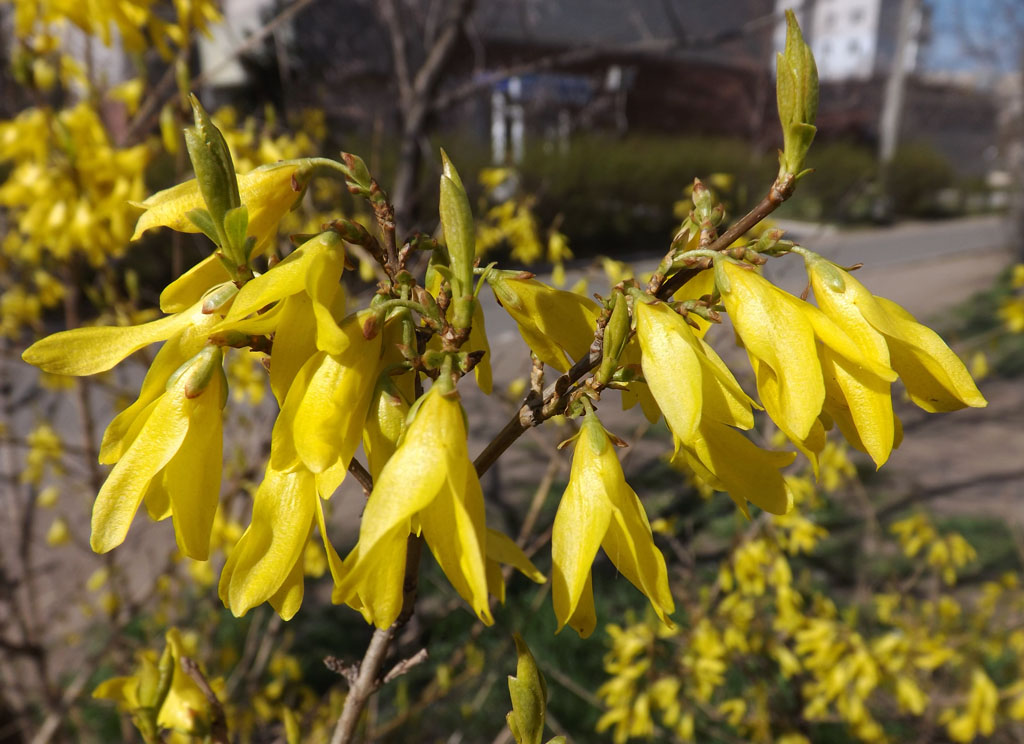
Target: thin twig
(218, 722)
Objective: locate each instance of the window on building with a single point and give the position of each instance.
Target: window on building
(856, 15)
(853, 47)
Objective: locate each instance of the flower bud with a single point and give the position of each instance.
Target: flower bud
(198, 371)
(215, 173)
(797, 94)
(460, 235)
(616, 334)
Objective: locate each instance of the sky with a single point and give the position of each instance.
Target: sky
(984, 36)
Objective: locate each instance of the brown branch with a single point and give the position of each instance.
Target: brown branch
(365, 480)
(399, 50)
(367, 678)
(218, 722)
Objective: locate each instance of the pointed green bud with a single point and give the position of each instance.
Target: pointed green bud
(165, 671)
(460, 236)
(703, 201)
(616, 334)
(198, 370)
(215, 172)
(797, 96)
(529, 697)
(358, 173)
(216, 298)
(236, 222)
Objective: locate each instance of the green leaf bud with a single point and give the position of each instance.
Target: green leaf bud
(460, 236)
(529, 697)
(797, 97)
(215, 172)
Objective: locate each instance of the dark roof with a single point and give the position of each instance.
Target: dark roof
(624, 23)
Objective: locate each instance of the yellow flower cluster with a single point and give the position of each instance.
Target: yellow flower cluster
(66, 196)
(1012, 310)
(869, 668)
(134, 21)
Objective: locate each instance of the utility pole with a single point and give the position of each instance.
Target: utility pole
(893, 102)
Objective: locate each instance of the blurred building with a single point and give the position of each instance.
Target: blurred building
(853, 39)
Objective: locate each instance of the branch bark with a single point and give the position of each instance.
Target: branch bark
(415, 97)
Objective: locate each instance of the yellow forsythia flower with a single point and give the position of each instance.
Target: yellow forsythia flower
(558, 326)
(167, 444)
(781, 335)
(267, 562)
(688, 380)
(305, 287)
(701, 401)
(599, 509)
(935, 378)
(268, 192)
(430, 481)
(184, 710)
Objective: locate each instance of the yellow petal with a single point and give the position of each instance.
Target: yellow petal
(503, 549)
(168, 208)
(283, 455)
(283, 510)
(748, 472)
(629, 544)
(178, 349)
(289, 276)
(288, 598)
(294, 342)
(584, 616)
(189, 288)
(580, 523)
(266, 191)
(724, 399)
(781, 336)
(768, 390)
(453, 526)
(845, 307)
(87, 351)
(157, 500)
(119, 498)
(334, 562)
(670, 366)
(192, 477)
(935, 378)
(385, 422)
(329, 421)
(374, 579)
(861, 399)
(432, 451)
(555, 324)
(834, 337)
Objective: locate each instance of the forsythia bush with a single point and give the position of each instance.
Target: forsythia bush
(761, 651)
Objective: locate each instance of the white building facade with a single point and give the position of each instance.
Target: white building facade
(851, 39)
